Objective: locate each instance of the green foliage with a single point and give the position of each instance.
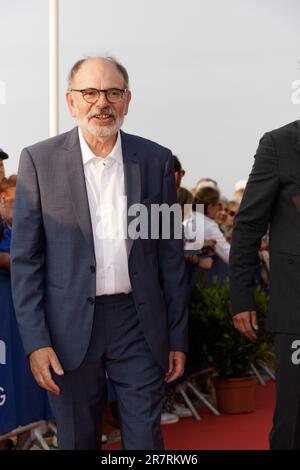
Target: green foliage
(213, 338)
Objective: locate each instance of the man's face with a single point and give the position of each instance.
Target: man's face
(101, 119)
(2, 170)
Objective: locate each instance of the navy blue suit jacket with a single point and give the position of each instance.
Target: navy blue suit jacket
(53, 259)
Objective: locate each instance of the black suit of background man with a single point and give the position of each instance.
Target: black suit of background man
(272, 197)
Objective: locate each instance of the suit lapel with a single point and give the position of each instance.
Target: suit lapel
(76, 181)
(132, 179)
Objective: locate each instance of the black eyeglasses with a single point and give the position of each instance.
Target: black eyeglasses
(92, 95)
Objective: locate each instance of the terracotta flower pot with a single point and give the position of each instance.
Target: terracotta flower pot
(236, 395)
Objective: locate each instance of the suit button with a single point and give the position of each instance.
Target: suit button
(135, 273)
(91, 300)
(291, 261)
(92, 268)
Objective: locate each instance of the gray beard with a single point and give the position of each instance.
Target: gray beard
(105, 131)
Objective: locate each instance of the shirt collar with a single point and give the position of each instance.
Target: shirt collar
(88, 155)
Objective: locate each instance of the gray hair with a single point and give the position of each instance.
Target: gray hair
(114, 61)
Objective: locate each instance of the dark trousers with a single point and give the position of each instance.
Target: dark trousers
(285, 433)
(118, 348)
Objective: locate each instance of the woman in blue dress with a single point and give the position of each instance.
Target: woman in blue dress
(22, 401)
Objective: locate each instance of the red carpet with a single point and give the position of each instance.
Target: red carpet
(226, 432)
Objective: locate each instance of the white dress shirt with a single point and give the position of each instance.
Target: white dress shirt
(104, 178)
(212, 232)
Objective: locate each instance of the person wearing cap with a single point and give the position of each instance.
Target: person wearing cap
(3, 156)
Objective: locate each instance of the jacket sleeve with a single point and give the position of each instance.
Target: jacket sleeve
(251, 223)
(27, 258)
(172, 271)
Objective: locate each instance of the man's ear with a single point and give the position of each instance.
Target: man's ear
(71, 104)
(128, 99)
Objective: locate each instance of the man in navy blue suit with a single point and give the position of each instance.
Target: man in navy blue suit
(89, 300)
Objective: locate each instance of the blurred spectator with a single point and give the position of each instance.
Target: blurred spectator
(3, 156)
(210, 198)
(264, 257)
(25, 401)
(194, 237)
(185, 197)
(240, 185)
(239, 189)
(222, 213)
(205, 183)
(7, 195)
(238, 196)
(233, 208)
(179, 171)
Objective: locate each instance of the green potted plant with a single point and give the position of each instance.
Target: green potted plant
(214, 341)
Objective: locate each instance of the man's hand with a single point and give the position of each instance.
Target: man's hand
(5, 261)
(40, 362)
(176, 366)
(246, 323)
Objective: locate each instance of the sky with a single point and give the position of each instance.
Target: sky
(208, 78)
